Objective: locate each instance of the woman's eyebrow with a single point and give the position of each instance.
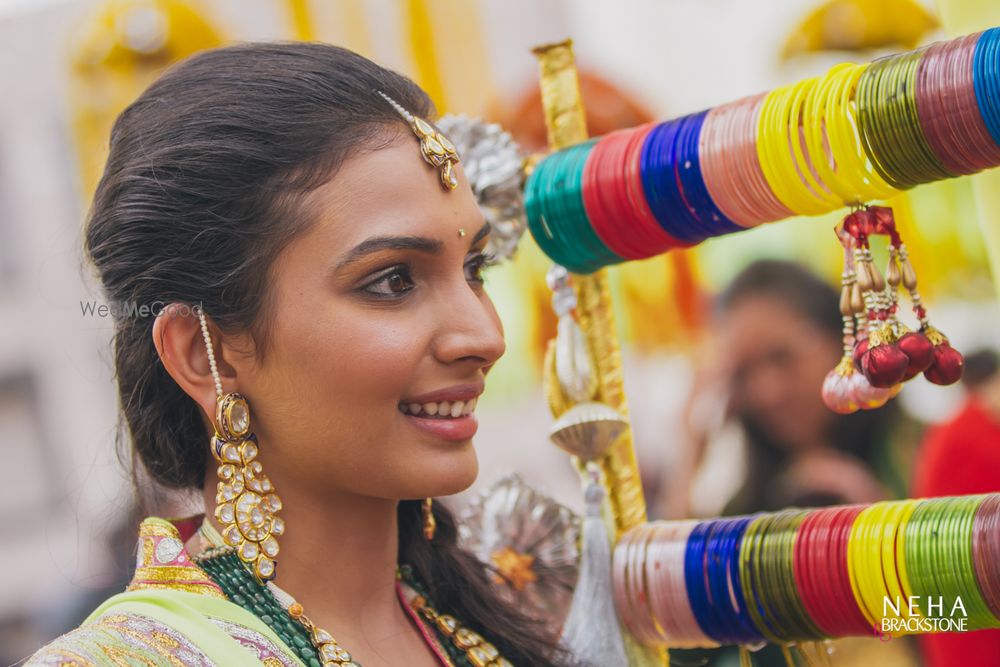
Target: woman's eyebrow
(481, 234)
(377, 243)
(418, 243)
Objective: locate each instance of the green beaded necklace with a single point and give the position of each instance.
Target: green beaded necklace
(314, 646)
(226, 569)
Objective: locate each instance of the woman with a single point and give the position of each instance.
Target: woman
(779, 334)
(779, 329)
(315, 373)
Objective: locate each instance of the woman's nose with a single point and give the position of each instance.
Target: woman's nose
(470, 331)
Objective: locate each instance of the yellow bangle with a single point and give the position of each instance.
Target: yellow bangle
(873, 583)
(767, 140)
(856, 563)
(779, 147)
(852, 164)
(817, 134)
(865, 557)
(805, 158)
(891, 526)
(904, 519)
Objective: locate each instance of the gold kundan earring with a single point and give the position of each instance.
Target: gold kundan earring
(246, 504)
(430, 525)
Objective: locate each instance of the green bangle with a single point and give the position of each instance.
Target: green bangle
(567, 198)
(797, 618)
(892, 135)
(541, 223)
(750, 578)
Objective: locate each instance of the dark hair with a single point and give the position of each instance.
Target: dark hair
(201, 191)
(796, 287)
(860, 434)
(980, 366)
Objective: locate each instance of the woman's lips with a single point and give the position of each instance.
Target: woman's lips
(451, 420)
(450, 428)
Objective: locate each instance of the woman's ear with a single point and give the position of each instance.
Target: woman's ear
(179, 341)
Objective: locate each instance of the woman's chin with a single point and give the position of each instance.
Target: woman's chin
(449, 474)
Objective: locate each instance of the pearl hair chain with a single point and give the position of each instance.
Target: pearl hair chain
(211, 352)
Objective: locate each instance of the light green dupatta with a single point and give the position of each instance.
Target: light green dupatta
(172, 614)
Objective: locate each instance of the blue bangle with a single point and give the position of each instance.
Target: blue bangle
(986, 80)
(694, 578)
(724, 582)
(679, 160)
(687, 165)
(742, 605)
(715, 575)
(660, 185)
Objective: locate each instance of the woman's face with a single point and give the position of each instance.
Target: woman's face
(778, 360)
(377, 311)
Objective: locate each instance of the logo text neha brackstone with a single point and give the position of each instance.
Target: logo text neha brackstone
(915, 614)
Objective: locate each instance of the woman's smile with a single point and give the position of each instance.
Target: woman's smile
(447, 413)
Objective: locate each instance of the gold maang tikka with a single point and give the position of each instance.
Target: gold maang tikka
(437, 150)
(246, 505)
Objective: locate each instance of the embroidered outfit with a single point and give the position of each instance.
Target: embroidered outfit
(173, 613)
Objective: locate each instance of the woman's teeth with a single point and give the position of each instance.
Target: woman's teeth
(441, 410)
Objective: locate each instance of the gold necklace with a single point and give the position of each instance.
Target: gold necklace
(480, 652)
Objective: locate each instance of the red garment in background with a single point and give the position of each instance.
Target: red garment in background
(959, 457)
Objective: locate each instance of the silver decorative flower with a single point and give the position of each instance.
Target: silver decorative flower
(530, 542)
(493, 163)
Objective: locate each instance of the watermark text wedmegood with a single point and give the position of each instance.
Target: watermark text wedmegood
(124, 309)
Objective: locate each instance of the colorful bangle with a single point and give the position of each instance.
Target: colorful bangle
(661, 187)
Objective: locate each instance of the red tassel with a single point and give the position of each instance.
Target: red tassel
(947, 367)
(918, 350)
(885, 365)
(859, 352)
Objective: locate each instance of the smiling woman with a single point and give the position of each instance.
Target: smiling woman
(329, 375)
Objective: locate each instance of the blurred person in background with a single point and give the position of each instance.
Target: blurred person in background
(756, 400)
(962, 454)
(957, 457)
(757, 391)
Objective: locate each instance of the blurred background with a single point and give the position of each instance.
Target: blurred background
(723, 390)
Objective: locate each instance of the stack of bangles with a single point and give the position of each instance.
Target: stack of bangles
(858, 134)
(801, 575)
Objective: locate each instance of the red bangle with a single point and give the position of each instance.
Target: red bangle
(647, 227)
(803, 569)
(853, 620)
(604, 218)
(628, 225)
(615, 201)
(948, 109)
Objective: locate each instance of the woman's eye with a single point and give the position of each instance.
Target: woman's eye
(474, 267)
(391, 284)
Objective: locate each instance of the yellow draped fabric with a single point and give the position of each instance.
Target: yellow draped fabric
(119, 51)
